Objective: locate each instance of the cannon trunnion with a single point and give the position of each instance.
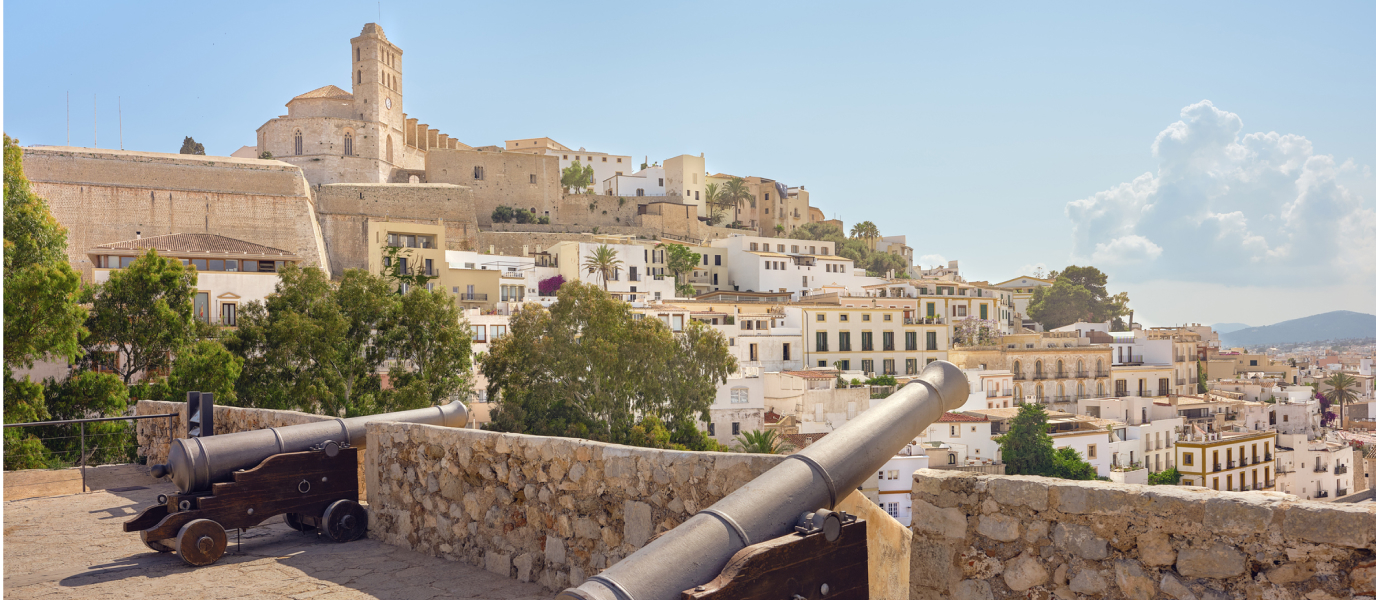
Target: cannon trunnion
(315, 489)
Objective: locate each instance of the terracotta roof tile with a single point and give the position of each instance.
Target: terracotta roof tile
(196, 243)
(802, 440)
(328, 91)
(812, 374)
(951, 417)
(772, 417)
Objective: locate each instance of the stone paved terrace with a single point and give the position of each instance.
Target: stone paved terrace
(73, 547)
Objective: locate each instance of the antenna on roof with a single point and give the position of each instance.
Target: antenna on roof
(95, 123)
(69, 118)
(120, 100)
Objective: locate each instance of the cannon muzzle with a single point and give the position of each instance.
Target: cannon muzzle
(768, 507)
(196, 463)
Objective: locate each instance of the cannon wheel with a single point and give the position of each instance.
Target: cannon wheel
(345, 521)
(201, 542)
(155, 545)
(294, 521)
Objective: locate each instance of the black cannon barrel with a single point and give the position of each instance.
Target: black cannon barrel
(819, 476)
(196, 463)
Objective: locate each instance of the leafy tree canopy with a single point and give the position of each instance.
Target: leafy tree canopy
(189, 146)
(1170, 476)
(205, 366)
(585, 368)
(1078, 294)
(143, 313)
(42, 314)
(576, 178)
(822, 232)
(1027, 449)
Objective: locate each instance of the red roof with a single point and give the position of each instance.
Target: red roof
(772, 417)
(961, 418)
(812, 374)
(802, 440)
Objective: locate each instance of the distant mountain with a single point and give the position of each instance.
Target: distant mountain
(1221, 328)
(1336, 325)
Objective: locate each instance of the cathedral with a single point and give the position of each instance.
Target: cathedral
(363, 136)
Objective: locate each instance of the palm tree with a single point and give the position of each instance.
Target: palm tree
(865, 230)
(763, 442)
(736, 193)
(602, 261)
(1341, 393)
(715, 206)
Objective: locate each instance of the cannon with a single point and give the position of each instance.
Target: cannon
(307, 472)
(783, 517)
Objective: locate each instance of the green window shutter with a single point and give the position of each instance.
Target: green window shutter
(984, 311)
(931, 340)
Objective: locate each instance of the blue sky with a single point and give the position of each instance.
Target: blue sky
(970, 130)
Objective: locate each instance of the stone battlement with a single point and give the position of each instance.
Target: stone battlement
(163, 171)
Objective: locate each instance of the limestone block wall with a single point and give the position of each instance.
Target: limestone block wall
(547, 510)
(590, 210)
(346, 208)
(979, 537)
(512, 179)
(104, 196)
(514, 243)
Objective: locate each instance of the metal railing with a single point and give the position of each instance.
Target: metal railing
(1218, 467)
(1321, 494)
(1020, 377)
(1320, 468)
(1341, 492)
(1081, 374)
(473, 297)
(83, 455)
(1098, 374)
(1061, 375)
(1340, 469)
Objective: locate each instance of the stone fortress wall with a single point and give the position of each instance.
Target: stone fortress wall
(103, 196)
(345, 210)
(980, 537)
(557, 510)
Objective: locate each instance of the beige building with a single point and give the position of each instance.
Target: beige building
(421, 250)
(1228, 461)
(875, 339)
(604, 165)
(1049, 367)
(357, 136)
(686, 175)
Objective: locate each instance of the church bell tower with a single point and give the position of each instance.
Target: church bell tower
(376, 77)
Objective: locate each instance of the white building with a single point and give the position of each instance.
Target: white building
(800, 267)
(604, 165)
(812, 397)
(520, 275)
(637, 279)
(1314, 469)
(229, 272)
(1144, 433)
(891, 488)
(738, 408)
(486, 328)
(989, 388)
(645, 182)
(686, 175)
(969, 435)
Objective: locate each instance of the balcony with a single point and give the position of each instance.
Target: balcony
(1020, 377)
(1041, 376)
(1246, 487)
(1061, 375)
(1135, 361)
(1341, 492)
(1268, 458)
(1270, 483)
(1339, 470)
(924, 321)
(1232, 464)
(1179, 381)
(466, 297)
(1082, 374)
(1180, 358)
(1218, 467)
(1100, 373)
(1321, 494)
(1320, 468)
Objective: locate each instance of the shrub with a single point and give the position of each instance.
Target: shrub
(503, 214)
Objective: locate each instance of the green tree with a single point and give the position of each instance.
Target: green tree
(1027, 448)
(433, 349)
(715, 206)
(189, 146)
(143, 313)
(882, 380)
(504, 214)
(1342, 393)
(317, 346)
(779, 228)
(205, 366)
(1068, 464)
(823, 232)
(603, 262)
(866, 231)
(736, 193)
(404, 270)
(586, 368)
(880, 263)
(89, 394)
(1077, 294)
(576, 177)
(680, 259)
(763, 442)
(1168, 477)
(42, 313)
(1203, 385)
(24, 403)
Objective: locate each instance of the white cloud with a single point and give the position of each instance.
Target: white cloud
(1229, 207)
(931, 260)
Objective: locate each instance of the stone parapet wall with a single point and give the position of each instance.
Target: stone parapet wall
(542, 509)
(155, 435)
(979, 537)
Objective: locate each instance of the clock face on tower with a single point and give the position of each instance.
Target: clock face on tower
(389, 103)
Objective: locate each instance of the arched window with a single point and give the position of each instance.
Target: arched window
(1041, 393)
(1017, 394)
(1039, 371)
(1080, 369)
(389, 148)
(1100, 391)
(1060, 368)
(951, 458)
(1060, 392)
(1099, 367)
(1080, 390)
(348, 143)
(1017, 367)
(296, 142)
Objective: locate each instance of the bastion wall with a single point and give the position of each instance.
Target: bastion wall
(103, 196)
(345, 210)
(981, 537)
